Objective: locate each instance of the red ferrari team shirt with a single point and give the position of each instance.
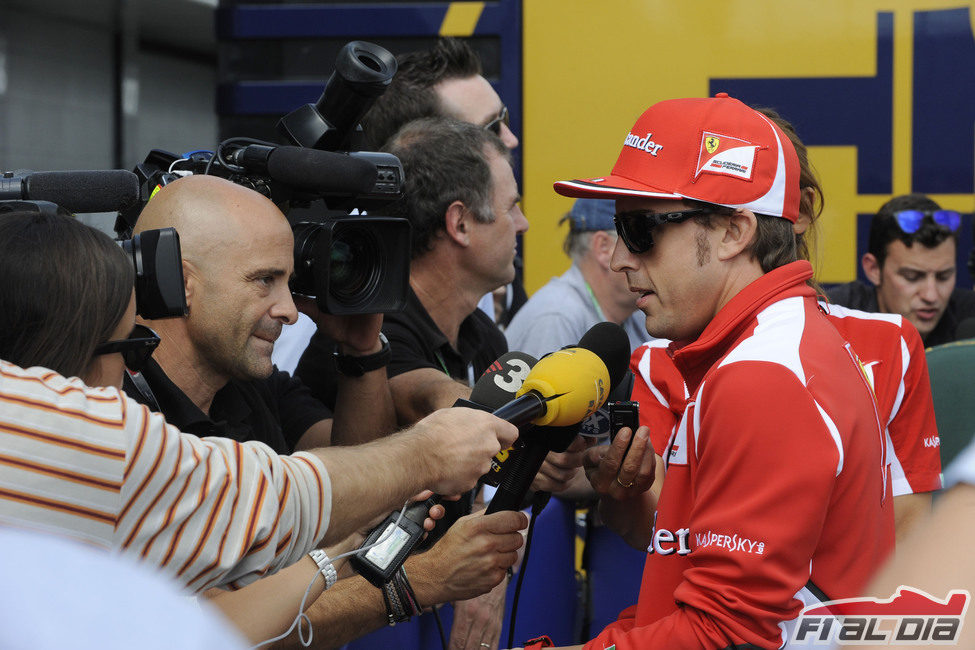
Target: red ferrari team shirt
(775, 489)
(892, 355)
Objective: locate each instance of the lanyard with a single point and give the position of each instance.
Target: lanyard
(470, 369)
(592, 296)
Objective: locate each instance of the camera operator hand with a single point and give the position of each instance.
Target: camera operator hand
(358, 334)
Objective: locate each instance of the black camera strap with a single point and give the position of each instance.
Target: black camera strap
(145, 392)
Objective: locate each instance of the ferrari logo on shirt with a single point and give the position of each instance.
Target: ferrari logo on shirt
(711, 143)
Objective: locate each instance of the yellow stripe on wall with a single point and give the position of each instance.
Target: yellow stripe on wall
(903, 97)
(461, 18)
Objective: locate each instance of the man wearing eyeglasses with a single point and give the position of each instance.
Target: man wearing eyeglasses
(444, 81)
(910, 261)
(774, 481)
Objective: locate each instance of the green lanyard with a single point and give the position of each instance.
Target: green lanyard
(470, 369)
(592, 296)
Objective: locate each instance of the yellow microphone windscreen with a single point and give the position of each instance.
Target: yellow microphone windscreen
(578, 376)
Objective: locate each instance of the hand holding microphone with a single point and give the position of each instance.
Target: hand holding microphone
(404, 534)
(623, 469)
(458, 446)
(563, 389)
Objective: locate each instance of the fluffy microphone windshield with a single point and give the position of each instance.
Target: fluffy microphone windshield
(85, 191)
(575, 378)
(321, 171)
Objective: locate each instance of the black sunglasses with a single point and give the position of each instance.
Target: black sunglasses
(136, 349)
(635, 227)
(494, 126)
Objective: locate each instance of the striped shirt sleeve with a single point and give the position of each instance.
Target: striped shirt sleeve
(95, 465)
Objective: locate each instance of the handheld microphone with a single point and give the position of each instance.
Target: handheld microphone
(496, 386)
(563, 388)
(308, 169)
(78, 191)
(500, 383)
(576, 382)
(568, 385)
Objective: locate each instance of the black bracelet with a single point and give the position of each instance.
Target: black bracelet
(406, 593)
(395, 612)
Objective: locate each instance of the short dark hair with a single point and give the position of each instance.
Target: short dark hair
(66, 287)
(885, 229)
(444, 161)
(410, 95)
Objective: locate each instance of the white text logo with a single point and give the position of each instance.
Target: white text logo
(642, 143)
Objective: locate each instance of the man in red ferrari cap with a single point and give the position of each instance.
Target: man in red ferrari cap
(775, 493)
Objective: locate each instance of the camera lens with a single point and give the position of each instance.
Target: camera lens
(355, 264)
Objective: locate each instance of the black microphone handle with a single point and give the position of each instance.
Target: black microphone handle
(521, 411)
(513, 488)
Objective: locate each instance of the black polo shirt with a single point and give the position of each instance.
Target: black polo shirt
(417, 342)
(276, 411)
(961, 305)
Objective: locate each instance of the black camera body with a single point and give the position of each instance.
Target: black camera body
(350, 262)
(155, 254)
(158, 264)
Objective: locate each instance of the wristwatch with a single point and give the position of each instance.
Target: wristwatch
(352, 366)
(325, 567)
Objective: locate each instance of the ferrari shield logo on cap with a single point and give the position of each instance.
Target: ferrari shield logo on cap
(725, 155)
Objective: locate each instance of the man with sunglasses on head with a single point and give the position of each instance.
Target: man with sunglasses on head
(910, 261)
(444, 81)
(774, 481)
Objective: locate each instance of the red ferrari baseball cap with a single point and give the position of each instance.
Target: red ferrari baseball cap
(716, 150)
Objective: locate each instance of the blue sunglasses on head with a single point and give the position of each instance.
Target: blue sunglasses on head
(910, 221)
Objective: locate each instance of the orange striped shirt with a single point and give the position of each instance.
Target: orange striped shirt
(92, 464)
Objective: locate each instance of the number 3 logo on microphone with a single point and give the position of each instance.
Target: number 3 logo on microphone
(512, 380)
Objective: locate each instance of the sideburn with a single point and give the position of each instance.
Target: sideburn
(703, 247)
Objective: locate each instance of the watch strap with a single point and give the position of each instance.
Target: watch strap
(325, 567)
(353, 366)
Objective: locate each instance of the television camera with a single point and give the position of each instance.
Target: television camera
(347, 258)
